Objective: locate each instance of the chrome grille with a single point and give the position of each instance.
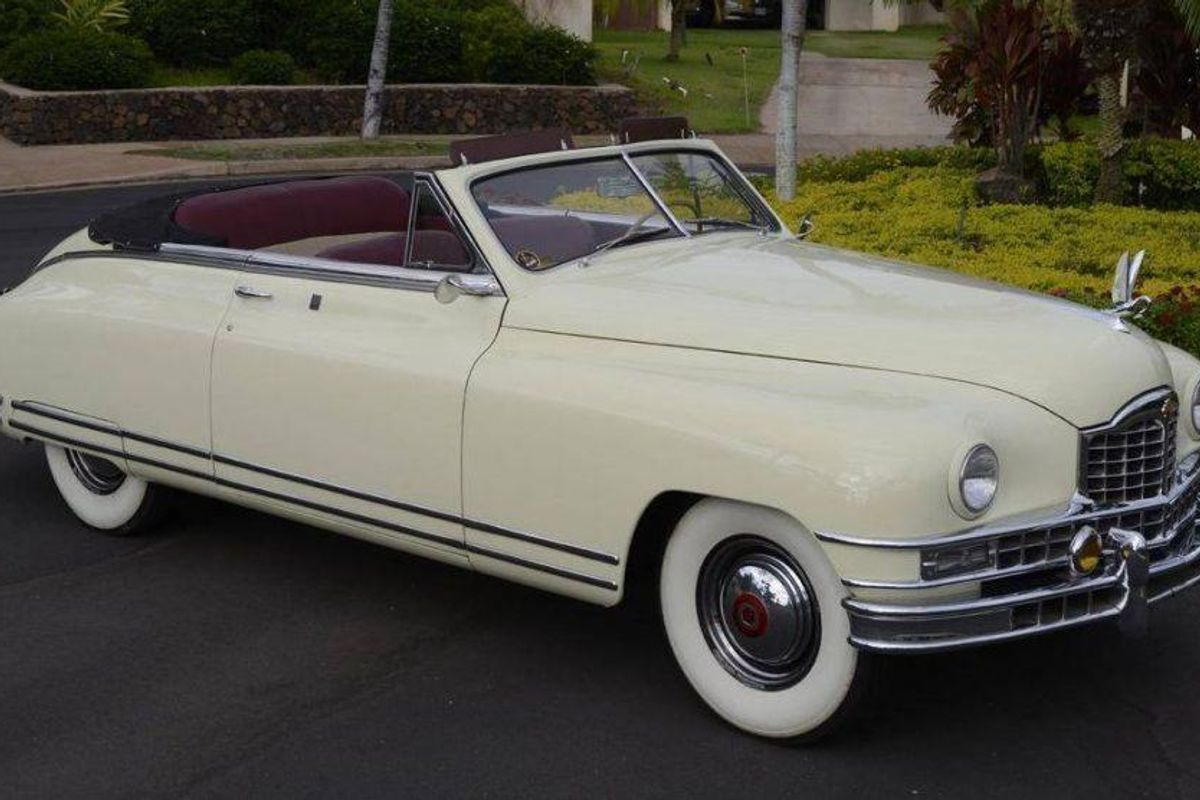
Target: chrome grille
(1052, 543)
(1132, 459)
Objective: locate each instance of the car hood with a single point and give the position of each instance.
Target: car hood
(780, 298)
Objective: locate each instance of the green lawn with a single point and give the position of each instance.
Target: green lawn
(920, 42)
(710, 69)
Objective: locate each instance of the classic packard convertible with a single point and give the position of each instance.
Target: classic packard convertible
(602, 370)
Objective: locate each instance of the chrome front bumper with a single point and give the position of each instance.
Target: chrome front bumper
(1036, 591)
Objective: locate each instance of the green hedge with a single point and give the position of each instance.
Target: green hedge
(22, 17)
(438, 42)
(864, 164)
(198, 32)
(77, 60)
(1159, 173)
(263, 68)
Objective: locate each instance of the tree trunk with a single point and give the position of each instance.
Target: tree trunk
(794, 14)
(1111, 188)
(377, 76)
(678, 28)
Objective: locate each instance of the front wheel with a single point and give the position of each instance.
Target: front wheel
(102, 495)
(752, 610)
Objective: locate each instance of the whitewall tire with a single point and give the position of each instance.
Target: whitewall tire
(101, 495)
(752, 610)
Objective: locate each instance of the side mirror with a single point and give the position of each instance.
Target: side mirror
(806, 227)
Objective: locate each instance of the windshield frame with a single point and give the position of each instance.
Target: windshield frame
(626, 154)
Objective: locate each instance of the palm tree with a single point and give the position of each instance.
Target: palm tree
(376, 76)
(793, 29)
(1190, 9)
(1109, 31)
(679, 11)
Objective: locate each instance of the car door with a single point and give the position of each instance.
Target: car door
(338, 387)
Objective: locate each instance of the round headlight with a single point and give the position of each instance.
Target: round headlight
(979, 478)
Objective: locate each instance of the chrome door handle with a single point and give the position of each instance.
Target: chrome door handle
(454, 286)
(250, 293)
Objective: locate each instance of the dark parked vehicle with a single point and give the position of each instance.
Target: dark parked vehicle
(707, 13)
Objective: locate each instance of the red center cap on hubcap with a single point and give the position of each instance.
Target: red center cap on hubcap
(750, 614)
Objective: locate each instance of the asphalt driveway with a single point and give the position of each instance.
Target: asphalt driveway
(235, 655)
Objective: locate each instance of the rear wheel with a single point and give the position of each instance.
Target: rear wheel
(102, 495)
(752, 610)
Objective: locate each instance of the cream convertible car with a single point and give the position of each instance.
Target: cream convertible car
(560, 367)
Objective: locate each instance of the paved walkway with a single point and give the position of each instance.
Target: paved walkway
(851, 104)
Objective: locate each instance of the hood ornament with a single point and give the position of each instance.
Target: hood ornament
(1126, 302)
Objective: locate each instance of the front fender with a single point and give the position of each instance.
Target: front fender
(573, 437)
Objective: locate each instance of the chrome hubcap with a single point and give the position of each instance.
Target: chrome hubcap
(96, 474)
(758, 613)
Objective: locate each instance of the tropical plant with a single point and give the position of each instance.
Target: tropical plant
(1109, 30)
(1190, 9)
(990, 76)
(1168, 79)
(953, 93)
(96, 15)
(1067, 81)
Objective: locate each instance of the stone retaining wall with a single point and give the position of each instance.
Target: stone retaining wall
(247, 112)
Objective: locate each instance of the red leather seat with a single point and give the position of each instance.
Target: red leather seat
(439, 247)
(261, 216)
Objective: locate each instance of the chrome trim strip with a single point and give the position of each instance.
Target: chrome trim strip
(337, 512)
(541, 541)
(1143, 402)
(484, 527)
(941, 646)
(1002, 528)
(996, 574)
(599, 583)
(982, 604)
(75, 443)
(900, 614)
(59, 438)
(69, 417)
(50, 412)
(329, 487)
(583, 552)
(266, 263)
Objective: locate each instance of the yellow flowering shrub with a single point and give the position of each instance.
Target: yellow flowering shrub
(930, 215)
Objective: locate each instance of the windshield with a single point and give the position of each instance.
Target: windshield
(701, 192)
(548, 215)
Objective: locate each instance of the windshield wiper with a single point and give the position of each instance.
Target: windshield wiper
(722, 222)
(634, 233)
